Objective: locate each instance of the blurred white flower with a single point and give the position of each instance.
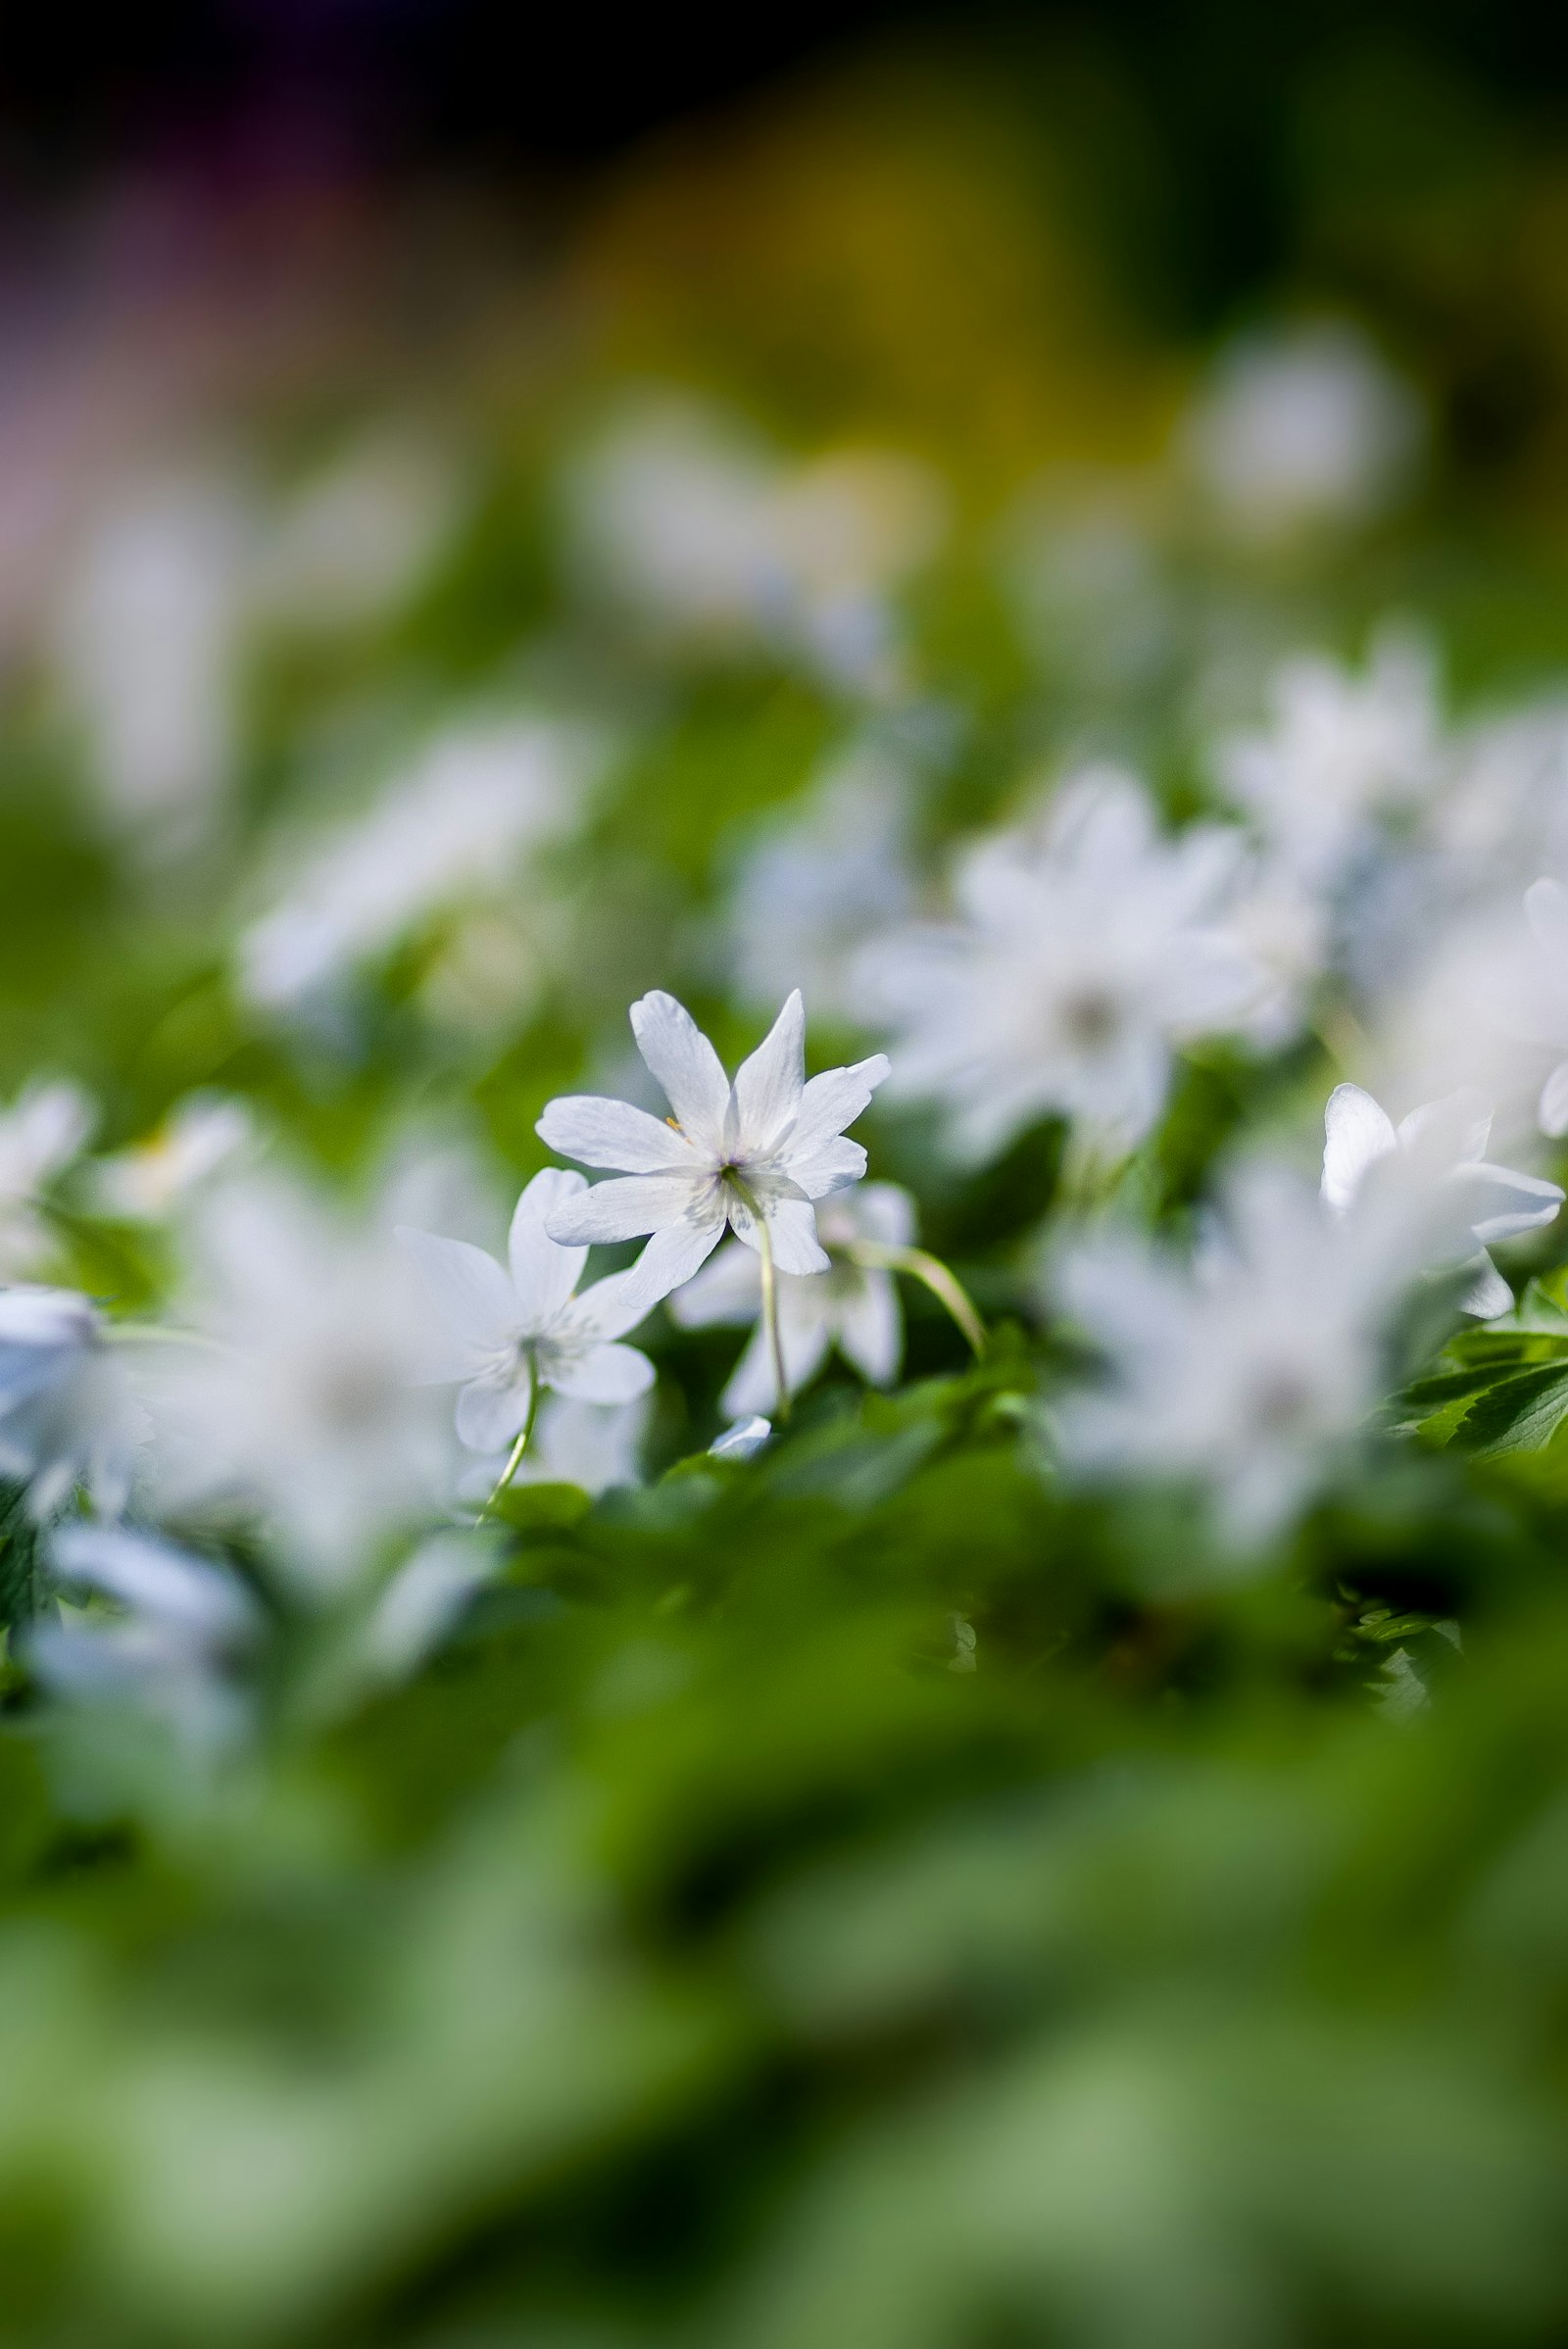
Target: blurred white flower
(509, 1332)
(147, 1182)
(184, 1621)
(710, 536)
(358, 538)
(817, 881)
(1285, 928)
(1300, 428)
(761, 1150)
(593, 1445)
(40, 1134)
(1424, 1189)
(1547, 911)
(146, 646)
(423, 1600)
(67, 1415)
(1341, 755)
(1083, 954)
(1246, 1372)
(851, 1306)
(458, 826)
(1082, 559)
(304, 1398)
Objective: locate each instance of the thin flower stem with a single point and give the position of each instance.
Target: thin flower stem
(920, 1265)
(515, 1456)
(770, 1321)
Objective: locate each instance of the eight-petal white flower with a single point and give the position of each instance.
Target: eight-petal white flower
(1423, 1190)
(509, 1331)
(758, 1152)
(1086, 950)
(1247, 1372)
(851, 1306)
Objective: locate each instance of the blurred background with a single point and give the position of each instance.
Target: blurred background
(503, 510)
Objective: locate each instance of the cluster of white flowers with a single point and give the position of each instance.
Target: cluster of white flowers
(1369, 871)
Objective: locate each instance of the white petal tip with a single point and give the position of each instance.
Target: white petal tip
(740, 1441)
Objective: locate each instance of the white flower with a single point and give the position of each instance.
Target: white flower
(761, 1149)
(183, 1621)
(1433, 1197)
(593, 1445)
(146, 1183)
(1343, 753)
(710, 536)
(304, 1400)
(425, 1598)
(1246, 1372)
(507, 1332)
(358, 537)
(815, 883)
(1546, 910)
(1301, 428)
(67, 1417)
(1082, 956)
(455, 828)
(146, 649)
(40, 1134)
(851, 1306)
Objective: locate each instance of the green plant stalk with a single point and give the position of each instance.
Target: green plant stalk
(515, 1456)
(920, 1265)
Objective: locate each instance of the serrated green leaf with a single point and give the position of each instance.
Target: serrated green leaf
(1520, 1413)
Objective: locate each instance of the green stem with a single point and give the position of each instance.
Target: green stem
(770, 1323)
(515, 1456)
(944, 1285)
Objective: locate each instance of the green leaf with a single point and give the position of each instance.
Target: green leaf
(1521, 1413)
(542, 1508)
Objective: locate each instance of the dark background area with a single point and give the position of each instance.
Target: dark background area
(1213, 93)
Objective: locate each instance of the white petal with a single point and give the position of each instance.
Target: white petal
(771, 1083)
(1489, 1294)
(884, 1211)
(1358, 1132)
(543, 1272)
(1552, 1111)
(607, 1133)
(1547, 911)
(871, 1330)
(623, 1209)
(751, 1385)
(685, 1064)
(792, 1229)
(1454, 1128)
(831, 1166)
(605, 1374)
(740, 1441)
(608, 1310)
(674, 1254)
(474, 1296)
(492, 1412)
(728, 1289)
(1505, 1204)
(835, 1099)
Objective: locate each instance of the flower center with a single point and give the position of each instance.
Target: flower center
(1091, 1018)
(1281, 1399)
